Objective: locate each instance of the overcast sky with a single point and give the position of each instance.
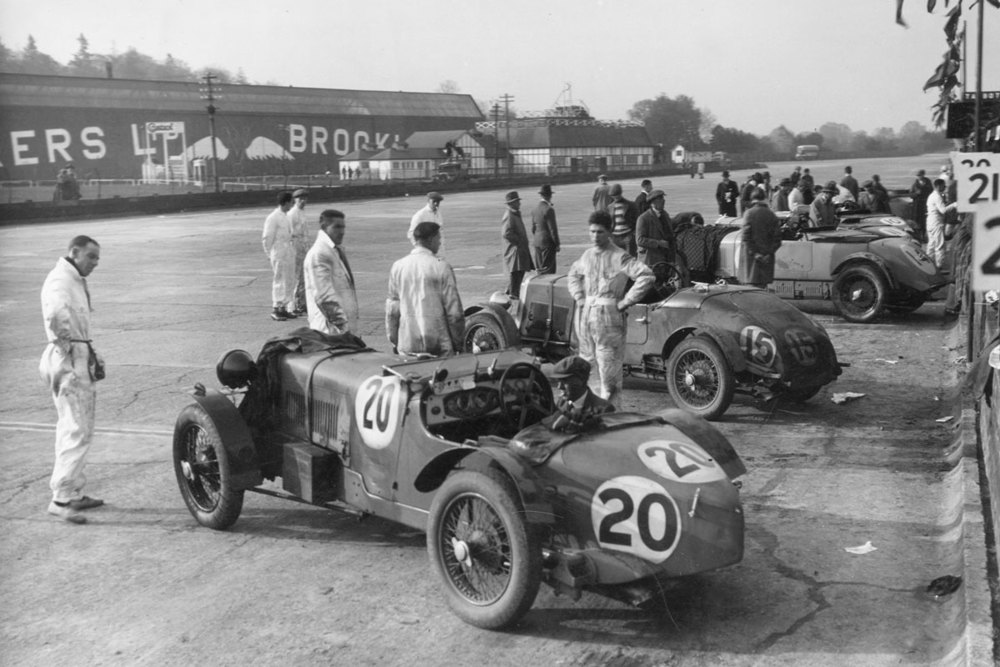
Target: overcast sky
(755, 64)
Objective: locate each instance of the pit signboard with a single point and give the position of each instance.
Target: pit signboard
(977, 176)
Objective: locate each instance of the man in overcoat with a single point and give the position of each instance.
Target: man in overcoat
(545, 232)
(761, 239)
(517, 253)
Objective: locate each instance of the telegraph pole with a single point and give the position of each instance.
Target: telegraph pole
(496, 149)
(210, 95)
(507, 99)
(977, 115)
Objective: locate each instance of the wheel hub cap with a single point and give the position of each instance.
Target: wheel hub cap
(461, 550)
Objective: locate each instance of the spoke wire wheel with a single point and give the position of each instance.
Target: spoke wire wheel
(202, 469)
(487, 556)
(483, 334)
(859, 293)
(699, 379)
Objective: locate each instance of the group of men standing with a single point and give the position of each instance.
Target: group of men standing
(521, 252)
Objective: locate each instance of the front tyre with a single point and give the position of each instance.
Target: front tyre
(859, 294)
(487, 556)
(699, 378)
(483, 334)
(201, 465)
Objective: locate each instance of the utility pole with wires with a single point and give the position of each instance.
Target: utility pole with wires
(507, 99)
(496, 140)
(210, 95)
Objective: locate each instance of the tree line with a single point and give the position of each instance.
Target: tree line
(129, 65)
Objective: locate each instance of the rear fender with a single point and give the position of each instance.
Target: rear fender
(244, 464)
(537, 510)
(501, 317)
(870, 259)
(730, 349)
(708, 437)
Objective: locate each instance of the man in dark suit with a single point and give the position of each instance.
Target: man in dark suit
(544, 232)
(577, 408)
(516, 254)
(727, 193)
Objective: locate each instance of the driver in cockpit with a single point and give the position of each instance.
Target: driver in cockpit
(577, 407)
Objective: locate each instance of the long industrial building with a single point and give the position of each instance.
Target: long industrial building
(161, 131)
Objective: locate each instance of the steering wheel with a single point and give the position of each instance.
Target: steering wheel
(525, 392)
(848, 207)
(668, 273)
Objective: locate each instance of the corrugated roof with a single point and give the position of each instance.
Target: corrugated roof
(433, 138)
(61, 91)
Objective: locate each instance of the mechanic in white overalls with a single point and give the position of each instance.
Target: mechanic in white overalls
(597, 283)
(280, 250)
(302, 241)
(69, 366)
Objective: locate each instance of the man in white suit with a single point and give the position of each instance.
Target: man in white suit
(331, 300)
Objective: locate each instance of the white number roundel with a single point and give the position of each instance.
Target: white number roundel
(636, 515)
(377, 408)
(680, 462)
(758, 345)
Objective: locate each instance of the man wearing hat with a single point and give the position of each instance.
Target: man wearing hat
(423, 311)
(602, 194)
(300, 239)
(544, 232)
(597, 283)
(577, 407)
(654, 234)
(642, 199)
(881, 196)
(431, 212)
(727, 193)
(821, 211)
(277, 241)
(761, 238)
(517, 253)
(623, 215)
(779, 202)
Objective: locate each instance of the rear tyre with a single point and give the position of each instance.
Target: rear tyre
(483, 334)
(489, 559)
(699, 378)
(801, 395)
(201, 465)
(859, 294)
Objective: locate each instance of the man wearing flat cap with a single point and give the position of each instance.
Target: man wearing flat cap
(431, 212)
(517, 253)
(779, 202)
(544, 232)
(821, 211)
(301, 240)
(654, 233)
(577, 407)
(623, 214)
(423, 311)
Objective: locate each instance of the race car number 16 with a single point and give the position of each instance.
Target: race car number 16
(636, 515)
(377, 409)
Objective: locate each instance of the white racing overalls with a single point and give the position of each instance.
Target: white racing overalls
(277, 241)
(300, 239)
(423, 311)
(597, 283)
(65, 368)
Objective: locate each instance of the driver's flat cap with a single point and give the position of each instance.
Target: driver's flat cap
(572, 366)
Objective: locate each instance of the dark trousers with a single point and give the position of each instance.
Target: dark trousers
(545, 259)
(514, 287)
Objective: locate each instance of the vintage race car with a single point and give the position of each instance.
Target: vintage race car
(706, 342)
(455, 446)
(866, 268)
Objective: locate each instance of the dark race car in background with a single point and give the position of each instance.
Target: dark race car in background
(705, 342)
(454, 446)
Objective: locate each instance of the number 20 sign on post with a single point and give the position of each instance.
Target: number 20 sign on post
(978, 179)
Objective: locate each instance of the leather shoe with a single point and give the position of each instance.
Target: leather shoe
(85, 503)
(66, 513)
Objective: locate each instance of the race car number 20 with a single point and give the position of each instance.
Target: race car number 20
(377, 409)
(636, 515)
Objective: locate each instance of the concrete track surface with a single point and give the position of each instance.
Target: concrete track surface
(142, 584)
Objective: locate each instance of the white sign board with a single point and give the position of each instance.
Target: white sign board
(978, 180)
(165, 127)
(986, 246)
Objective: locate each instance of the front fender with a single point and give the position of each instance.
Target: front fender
(865, 257)
(537, 510)
(244, 464)
(501, 317)
(730, 348)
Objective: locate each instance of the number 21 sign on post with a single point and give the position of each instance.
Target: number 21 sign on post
(978, 179)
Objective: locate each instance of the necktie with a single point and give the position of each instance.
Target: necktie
(343, 258)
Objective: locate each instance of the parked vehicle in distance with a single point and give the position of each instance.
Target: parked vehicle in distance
(868, 264)
(806, 152)
(455, 446)
(705, 342)
(451, 171)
